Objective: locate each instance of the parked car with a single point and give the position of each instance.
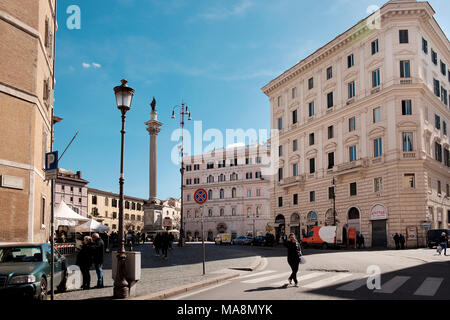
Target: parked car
(242, 240)
(223, 238)
(25, 270)
(434, 235)
(259, 241)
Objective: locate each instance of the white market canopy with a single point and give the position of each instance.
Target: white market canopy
(65, 216)
(92, 226)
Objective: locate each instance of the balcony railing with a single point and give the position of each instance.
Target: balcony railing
(409, 155)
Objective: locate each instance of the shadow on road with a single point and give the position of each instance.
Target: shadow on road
(284, 286)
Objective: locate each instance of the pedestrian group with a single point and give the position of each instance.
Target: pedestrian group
(91, 253)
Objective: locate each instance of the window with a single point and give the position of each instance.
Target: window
(133, 217)
(439, 188)
(376, 115)
(139, 207)
(444, 128)
(233, 177)
(352, 153)
(409, 180)
(233, 193)
(94, 200)
(406, 108)
(114, 203)
(189, 168)
(311, 109)
(437, 87)
(188, 181)
(438, 151)
(258, 192)
(257, 174)
(434, 57)
(330, 160)
(351, 90)
(71, 199)
(210, 179)
(294, 117)
(295, 145)
(222, 194)
(249, 175)
(352, 124)
(196, 167)
(210, 195)
(437, 122)
(133, 206)
(196, 180)
(295, 169)
(376, 78)
(294, 92)
(280, 174)
(114, 215)
(353, 189)
(444, 96)
(350, 61)
(405, 69)
(310, 83)
(258, 160)
(233, 162)
(311, 139)
(210, 165)
(280, 151)
(312, 196)
(329, 73)
(280, 123)
(188, 197)
(222, 212)
(280, 201)
(312, 165)
(331, 193)
(106, 201)
(42, 211)
(443, 68)
(374, 47)
(279, 101)
(221, 164)
(377, 147)
(377, 184)
(403, 34)
(127, 216)
(295, 199)
(330, 132)
(447, 189)
(127, 205)
(330, 102)
(424, 46)
(407, 141)
(446, 157)
(233, 211)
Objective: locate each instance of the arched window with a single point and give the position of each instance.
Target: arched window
(210, 213)
(222, 212)
(353, 214)
(258, 211)
(233, 193)
(233, 176)
(249, 211)
(233, 211)
(222, 194)
(210, 179)
(222, 178)
(210, 195)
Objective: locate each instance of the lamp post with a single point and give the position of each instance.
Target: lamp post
(333, 185)
(124, 96)
(183, 112)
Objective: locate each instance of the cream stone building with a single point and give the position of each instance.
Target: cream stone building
(27, 30)
(371, 110)
(73, 190)
(103, 206)
(238, 194)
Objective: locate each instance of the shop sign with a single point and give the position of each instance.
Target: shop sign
(378, 212)
(411, 233)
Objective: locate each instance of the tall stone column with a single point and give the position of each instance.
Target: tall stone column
(152, 207)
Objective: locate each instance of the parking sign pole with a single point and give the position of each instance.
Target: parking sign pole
(203, 241)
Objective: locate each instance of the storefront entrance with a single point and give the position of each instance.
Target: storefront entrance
(280, 231)
(379, 238)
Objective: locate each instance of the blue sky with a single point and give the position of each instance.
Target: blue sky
(215, 55)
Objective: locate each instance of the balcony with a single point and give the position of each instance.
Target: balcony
(406, 81)
(361, 163)
(409, 155)
(290, 181)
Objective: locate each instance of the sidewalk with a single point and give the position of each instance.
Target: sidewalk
(183, 267)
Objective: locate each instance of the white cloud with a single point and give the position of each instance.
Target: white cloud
(96, 65)
(86, 65)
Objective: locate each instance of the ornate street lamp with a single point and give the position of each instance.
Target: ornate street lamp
(124, 96)
(183, 111)
(333, 185)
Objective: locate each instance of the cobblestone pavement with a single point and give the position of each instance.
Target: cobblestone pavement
(184, 266)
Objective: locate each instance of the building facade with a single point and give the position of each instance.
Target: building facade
(26, 108)
(71, 188)
(371, 110)
(103, 206)
(171, 214)
(238, 194)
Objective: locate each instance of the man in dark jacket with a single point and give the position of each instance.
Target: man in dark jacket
(165, 239)
(84, 261)
(397, 241)
(98, 249)
(443, 241)
(402, 241)
(293, 257)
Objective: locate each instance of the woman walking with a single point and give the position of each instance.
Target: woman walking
(293, 257)
(84, 261)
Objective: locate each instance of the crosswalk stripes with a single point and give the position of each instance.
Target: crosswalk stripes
(327, 281)
(392, 285)
(354, 285)
(429, 287)
(300, 279)
(258, 280)
(256, 274)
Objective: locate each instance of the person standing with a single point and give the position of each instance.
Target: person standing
(98, 250)
(397, 241)
(171, 238)
(361, 239)
(402, 241)
(443, 241)
(84, 261)
(157, 243)
(293, 256)
(165, 244)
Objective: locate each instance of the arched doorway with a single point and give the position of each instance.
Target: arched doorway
(280, 223)
(210, 236)
(353, 222)
(311, 220)
(295, 225)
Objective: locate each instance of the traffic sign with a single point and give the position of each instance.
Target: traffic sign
(51, 160)
(200, 196)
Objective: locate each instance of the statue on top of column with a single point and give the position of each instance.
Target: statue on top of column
(153, 104)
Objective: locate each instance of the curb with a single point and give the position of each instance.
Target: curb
(182, 289)
(252, 267)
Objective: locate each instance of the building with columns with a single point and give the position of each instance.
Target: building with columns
(238, 193)
(27, 30)
(371, 110)
(71, 188)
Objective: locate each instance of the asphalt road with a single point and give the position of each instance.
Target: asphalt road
(417, 274)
